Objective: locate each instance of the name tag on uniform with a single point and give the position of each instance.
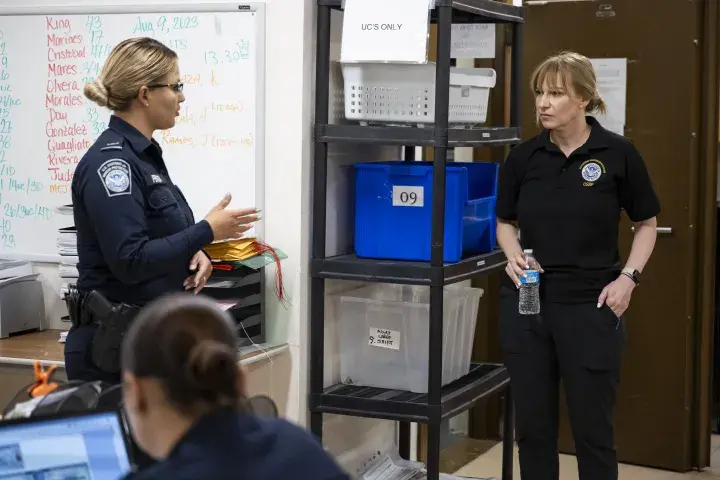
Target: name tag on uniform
(156, 179)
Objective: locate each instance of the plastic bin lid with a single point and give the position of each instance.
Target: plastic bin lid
(474, 77)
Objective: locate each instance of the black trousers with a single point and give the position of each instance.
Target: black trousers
(78, 357)
(581, 345)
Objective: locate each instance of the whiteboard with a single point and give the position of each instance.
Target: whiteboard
(46, 124)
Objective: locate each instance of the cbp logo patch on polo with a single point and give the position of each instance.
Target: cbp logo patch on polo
(116, 177)
(591, 171)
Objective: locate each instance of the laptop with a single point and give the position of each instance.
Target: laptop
(79, 446)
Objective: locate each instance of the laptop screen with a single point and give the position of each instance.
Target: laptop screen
(81, 447)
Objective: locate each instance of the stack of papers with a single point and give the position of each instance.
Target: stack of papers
(67, 241)
(246, 252)
(389, 466)
(67, 249)
(233, 250)
(64, 210)
(68, 268)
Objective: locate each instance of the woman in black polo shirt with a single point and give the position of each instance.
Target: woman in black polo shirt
(561, 194)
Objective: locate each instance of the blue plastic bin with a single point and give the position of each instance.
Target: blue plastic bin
(393, 210)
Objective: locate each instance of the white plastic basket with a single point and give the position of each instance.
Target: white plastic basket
(405, 93)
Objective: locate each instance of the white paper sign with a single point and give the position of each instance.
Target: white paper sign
(473, 40)
(385, 31)
(405, 196)
(611, 76)
(380, 337)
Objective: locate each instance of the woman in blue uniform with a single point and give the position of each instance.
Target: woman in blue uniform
(184, 393)
(137, 238)
(561, 194)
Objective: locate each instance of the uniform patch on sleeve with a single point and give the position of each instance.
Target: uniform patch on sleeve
(116, 177)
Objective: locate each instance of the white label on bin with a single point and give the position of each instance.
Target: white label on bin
(406, 196)
(380, 337)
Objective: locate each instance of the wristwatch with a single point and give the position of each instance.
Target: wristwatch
(632, 274)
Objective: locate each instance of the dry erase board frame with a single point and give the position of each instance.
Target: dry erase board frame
(252, 8)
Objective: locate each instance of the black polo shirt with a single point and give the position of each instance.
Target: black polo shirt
(568, 209)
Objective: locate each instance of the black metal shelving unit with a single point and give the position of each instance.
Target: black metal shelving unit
(483, 380)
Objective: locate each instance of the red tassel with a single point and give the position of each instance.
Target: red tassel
(261, 248)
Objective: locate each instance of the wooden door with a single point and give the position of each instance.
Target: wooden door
(656, 417)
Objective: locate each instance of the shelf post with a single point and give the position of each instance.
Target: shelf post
(440, 150)
(516, 77)
(404, 440)
(317, 285)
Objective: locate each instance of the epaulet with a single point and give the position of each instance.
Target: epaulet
(113, 144)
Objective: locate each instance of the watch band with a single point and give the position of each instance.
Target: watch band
(632, 274)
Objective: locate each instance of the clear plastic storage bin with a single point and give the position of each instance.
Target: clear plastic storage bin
(384, 335)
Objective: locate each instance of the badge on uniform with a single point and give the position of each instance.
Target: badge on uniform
(591, 171)
(116, 177)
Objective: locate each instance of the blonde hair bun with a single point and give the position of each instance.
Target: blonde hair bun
(97, 92)
(131, 64)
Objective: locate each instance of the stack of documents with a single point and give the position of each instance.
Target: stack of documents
(64, 210)
(67, 241)
(68, 267)
(389, 466)
(246, 252)
(67, 249)
(233, 250)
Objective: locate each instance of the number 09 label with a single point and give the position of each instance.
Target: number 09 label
(405, 196)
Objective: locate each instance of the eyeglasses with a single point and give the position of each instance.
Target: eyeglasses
(176, 87)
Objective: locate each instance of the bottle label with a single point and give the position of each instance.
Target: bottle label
(533, 277)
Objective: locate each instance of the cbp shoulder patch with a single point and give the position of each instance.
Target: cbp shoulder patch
(116, 177)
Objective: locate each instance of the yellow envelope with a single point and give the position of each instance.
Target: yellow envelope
(232, 250)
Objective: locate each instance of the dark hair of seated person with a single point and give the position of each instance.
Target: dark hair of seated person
(184, 394)
(190, 345)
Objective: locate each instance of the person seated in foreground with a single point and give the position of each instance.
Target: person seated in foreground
(184, 395)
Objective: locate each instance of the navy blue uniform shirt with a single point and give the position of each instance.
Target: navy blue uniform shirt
(226, 445)
(136, 232)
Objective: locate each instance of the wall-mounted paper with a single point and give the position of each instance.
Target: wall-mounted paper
(612, 83)
(385, 31)
(473, 40)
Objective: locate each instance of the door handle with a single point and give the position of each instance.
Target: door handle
(663, 230)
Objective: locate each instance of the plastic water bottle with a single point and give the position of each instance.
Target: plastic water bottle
(529, 288)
